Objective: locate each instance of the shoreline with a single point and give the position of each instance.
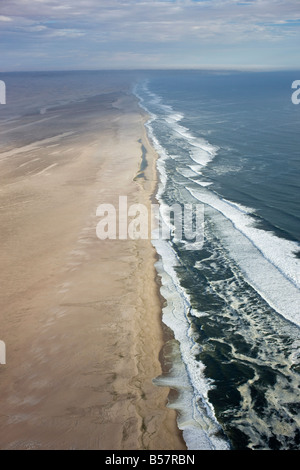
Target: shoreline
(150, 175)
(81, 317)
(166, 354)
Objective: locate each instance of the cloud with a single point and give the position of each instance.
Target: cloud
(5, 18)
(160, 20)
(37, 28)
(70, 33)
(150, 28)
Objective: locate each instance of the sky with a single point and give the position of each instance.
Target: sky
(132, 34)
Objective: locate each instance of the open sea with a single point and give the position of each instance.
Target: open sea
(231, 142)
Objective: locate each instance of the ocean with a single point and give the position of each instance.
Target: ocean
(230, 141)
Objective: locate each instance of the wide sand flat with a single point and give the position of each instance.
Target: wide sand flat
(80, 317)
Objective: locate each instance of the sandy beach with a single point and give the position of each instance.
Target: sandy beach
(81, 317)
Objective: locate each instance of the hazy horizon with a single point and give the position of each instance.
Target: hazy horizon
(158, 69)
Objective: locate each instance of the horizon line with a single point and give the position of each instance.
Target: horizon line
(208, 68)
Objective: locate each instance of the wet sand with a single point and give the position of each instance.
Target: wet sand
(81, 317)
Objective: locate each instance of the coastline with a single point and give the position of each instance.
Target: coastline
(81, 317)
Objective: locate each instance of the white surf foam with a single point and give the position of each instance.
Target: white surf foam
(201, 151)
(196, 168)
(196, 416)
(268, 262)
(174, 117)
(186, 172)
(197, 419)
(203, 183)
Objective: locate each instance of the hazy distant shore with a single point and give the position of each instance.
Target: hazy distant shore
(81, 317)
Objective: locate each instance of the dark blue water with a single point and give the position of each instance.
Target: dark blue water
(231, 142)
(251, 119)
